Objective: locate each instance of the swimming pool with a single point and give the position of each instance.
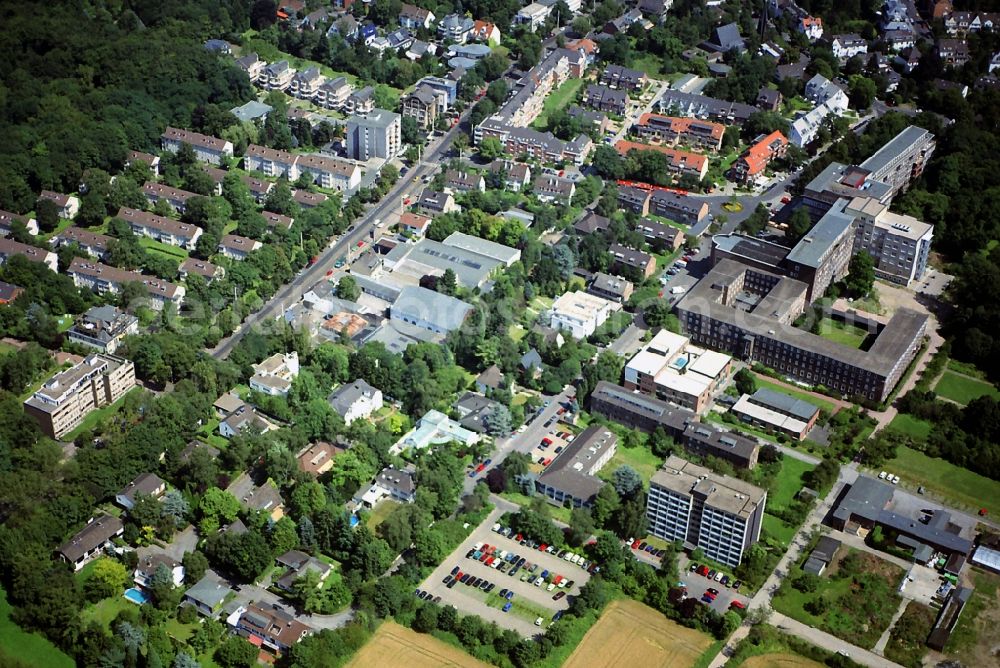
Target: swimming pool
(136, 595)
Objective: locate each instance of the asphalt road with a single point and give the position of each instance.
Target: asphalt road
(362, 231)
(525, 441)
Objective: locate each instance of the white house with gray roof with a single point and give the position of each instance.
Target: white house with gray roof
(356, 400)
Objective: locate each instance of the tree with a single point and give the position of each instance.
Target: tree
(605, 505)
(608, 163)
(47, 214)
(218, 506)
(347, 288)
(757, 222)
(798, 225)
(410, 131)
(448, 283)
(746, 382)
(107, 578)
(861, 275)
(235, 652)
(175, 506)
(490, 148)
(185, 660)
(581, 526)
(626, 481)
(498, 422)
(195, 564)
(862, 91)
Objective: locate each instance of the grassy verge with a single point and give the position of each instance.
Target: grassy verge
(558, 99)
(788, 482)
(640, 458)
(963, 389)
(166, 250)
(956, 485)
(96, 417)
(28, 648)
(557, 513)
(380, 512)
(913, 427)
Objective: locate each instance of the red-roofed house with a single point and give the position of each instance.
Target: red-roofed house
(484, 31)
(414, 223)
(765, 149)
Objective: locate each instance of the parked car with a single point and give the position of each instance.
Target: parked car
(538, 621)
(737, 585)
(506, 607)
(719, 576)
(711, 574)
(559, 596)
(737, 604)
(725, 580)
(714, 591)
(447, 579)
(510, 596)
(694, 567)
(455, 570)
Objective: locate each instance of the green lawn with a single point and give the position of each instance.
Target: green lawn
(913, 427)
(788, 482)
(380, 512)
(956, 485)
(104, 612)
(209, 433)
(842, 333)
(558, 99)
(28, 648)
(95, 417)
(963, 389)
(779, 529)
(640, 458)
(650, 64)
(166, 250)
(967, 369)
(828, 406)
(64, 322)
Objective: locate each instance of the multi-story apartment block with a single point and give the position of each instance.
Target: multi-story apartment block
(820, 90)
(572, 475)
(848, 46)
(640, 411)
(423, 105)
(68, 205)
(823, 256)
(602, 98)
(670, 368)
(175, 197)
(103, 328)
(677, 207)
(270, 161)
(375, 135)
(62, 403)
(541, 146)
(752, 164)
(749, 312)
(580, 313)
(673, 130)
(678, 103)
(901, 161)
(629, 261)
(207, 149)
(103, 279)
(455, 28)
(165, 230)
(10, 248)
(95, 245)
(252, 65)
(361, 101)
(333, 93)
(203, 268)
(552, 188)
(533, 15)
(616, 76)
(899, 244)
(236, 247)
(277, 76)
(718, 514)
(330, 173)
(306, 84)
(414, 18)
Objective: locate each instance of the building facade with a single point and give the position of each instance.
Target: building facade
(375, 135)
(720, 515)
(63, 402)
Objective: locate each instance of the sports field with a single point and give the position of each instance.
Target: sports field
(392, 642)
(630, 634)
(780, 661)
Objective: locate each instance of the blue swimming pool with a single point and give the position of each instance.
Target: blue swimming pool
(136, 596)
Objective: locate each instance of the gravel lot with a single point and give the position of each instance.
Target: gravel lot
(529, 601)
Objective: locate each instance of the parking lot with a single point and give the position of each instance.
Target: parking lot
(698, 584)
(528, 602)
(551, 444)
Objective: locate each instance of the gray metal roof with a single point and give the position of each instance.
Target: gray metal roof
(471, 269)
(757, 250)
(345, 396)
(784, 403)
(817, 242)
(447, 313)
(895, 146)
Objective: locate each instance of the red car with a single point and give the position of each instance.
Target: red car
(480, 467)
(541, 548)
(737, 604)
(635, 544)
(361, 244)
(547, 441)
(330, 273)
(786, 199)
